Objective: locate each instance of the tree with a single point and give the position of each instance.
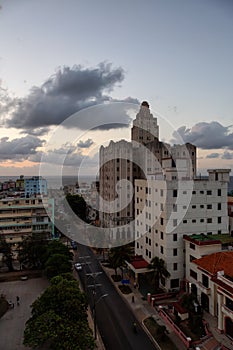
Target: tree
(7, 255)
(78, 205)
(57, 264)
(59, 318)
(119, 255)
(56, 247)
(31, 250)
(158, 272)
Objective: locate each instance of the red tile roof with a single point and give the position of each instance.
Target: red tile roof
(217, 262)
(138, 262)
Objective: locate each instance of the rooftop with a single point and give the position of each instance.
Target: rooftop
(202, 239)
(220, 261)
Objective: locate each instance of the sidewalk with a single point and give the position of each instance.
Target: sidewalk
(212, 325)
(142, 309)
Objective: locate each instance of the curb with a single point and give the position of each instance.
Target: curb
(150, 335)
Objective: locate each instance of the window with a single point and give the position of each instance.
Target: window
(201, 192)
(205, 281)
(175, 252)
(137, 245)
(209, 206)
(146, 239)
(174, 193)
(219, 220)
(202, 206)
(209, 193)
(191, 258)
(161, 193)
(175, 266)
(175, 283)
(175, 207)
(192, 246)
(229, 303)
(193, 274)
(194, 220)
(161, 235)
(184, 221)
(149, 241)
(161, 249)
(202, 220)
(209, 221)
(219, 192)
(219, 206)
(161, 221)
(194, 206)
(194, 192)
(174, 237)
(174, 222)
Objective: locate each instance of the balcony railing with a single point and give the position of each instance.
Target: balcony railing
(204, 289)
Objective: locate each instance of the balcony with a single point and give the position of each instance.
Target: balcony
(204, 289)
(228, 312)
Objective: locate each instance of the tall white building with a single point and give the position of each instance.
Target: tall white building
(122, 162)
(168, 207)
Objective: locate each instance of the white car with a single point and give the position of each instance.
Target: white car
(78, 266)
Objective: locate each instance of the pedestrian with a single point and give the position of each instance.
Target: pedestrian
(17, 299)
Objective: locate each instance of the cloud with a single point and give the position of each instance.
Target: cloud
(19, 148)
(204, 135)
(227, 155)
(85, 144)
(68, 91)
(213, 155)
(36, 132)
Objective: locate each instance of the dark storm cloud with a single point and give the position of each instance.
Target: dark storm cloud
(85, 144)
(213, 155)
(66, 155)
(36, 132)
(68, 91)
(19, 148)
(204, 135)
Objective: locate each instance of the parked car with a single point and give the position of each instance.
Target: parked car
(78, 266)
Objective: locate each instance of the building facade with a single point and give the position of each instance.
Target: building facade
(167, 209)
(34, 186)
(22, 217)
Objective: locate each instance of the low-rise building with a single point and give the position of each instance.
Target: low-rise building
(211, 279)
(21, 217)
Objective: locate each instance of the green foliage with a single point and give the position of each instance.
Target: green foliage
(159, 271)
(31, 249)
(5, 249)
(56, 247)
(78, 205)
(59, 318)
(119, 255)
(57, 264)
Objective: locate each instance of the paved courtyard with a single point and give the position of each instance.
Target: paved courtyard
(12, 324)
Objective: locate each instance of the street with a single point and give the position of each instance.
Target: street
(114, 318)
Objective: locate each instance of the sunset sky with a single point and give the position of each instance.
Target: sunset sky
(100, 59)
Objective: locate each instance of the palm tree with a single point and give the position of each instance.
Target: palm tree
(119, 255)
(159, 271)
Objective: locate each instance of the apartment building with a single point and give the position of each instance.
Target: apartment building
(138, 159)
(116, 205)
(20, 217)
(166, 209)
(35, 185)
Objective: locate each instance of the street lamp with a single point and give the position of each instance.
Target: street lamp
(94, 310)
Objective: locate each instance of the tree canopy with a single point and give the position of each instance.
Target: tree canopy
(59, 318)
(159, 270)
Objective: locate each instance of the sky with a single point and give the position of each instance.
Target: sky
(98, 60)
